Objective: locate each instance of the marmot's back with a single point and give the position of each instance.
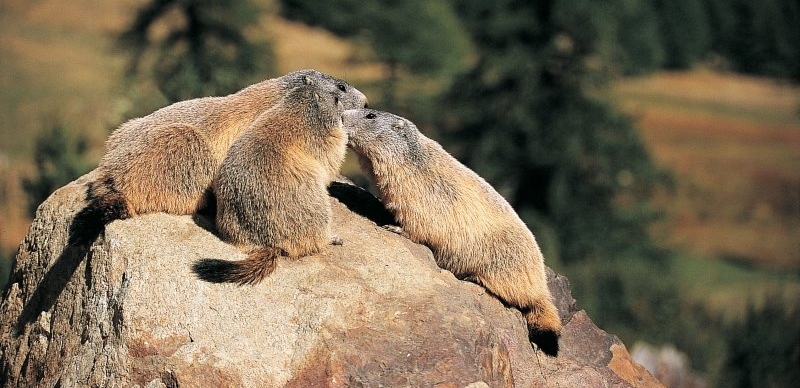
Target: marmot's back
(166, 161)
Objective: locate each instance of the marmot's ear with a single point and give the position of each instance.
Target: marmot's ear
(317, 97)
(399, 124)
(308, 81)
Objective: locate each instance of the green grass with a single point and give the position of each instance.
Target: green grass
(727, 288)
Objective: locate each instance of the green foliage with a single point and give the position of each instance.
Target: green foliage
(204, 51)
(417, 36)
(576, 162)
(60, 157)
(759, 37)
(6, 260)
(639, 40)
(685, 31)
(632, 298)
(764, 349)
(424, 36)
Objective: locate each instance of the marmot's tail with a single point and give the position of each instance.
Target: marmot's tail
(544, 326)
(91, 220)
(257, 266)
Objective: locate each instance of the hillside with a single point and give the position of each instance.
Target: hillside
(733, 144)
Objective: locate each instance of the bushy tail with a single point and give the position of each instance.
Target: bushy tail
(257, 266)
(515, 288)
(91, 220)
(544, 326)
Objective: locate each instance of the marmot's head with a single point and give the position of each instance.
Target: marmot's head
(320, 110)
(381, 136)
(350, 97)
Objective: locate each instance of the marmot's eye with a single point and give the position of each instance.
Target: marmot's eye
(341, 87)
(370, 116)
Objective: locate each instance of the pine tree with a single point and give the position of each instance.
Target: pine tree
(417, 37)
(525, 118)
(684, 25)
(764, 348)
(640, 44)
(758, 37)
(204, 50)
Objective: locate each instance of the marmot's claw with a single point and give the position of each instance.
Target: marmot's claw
(393, 228)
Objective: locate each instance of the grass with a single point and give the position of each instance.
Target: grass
(703, 88)
(733, 144)
(725, 288)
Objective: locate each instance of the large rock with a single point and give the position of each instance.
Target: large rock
(374, 312)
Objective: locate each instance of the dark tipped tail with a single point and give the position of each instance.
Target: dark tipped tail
(251, 270)
(546, 340)
(544, 326)
(91, 220)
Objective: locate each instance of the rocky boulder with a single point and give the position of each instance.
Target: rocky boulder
(376, 311)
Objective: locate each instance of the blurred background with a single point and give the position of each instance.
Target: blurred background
(652, 146)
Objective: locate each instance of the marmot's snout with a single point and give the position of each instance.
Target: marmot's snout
(349, 115)
(354, 119)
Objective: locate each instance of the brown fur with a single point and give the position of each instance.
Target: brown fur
(271, 189)
(472, 229)
(166, 161)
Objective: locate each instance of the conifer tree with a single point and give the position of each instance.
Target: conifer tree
(525, 118)
(195, 48)
(417, 37)
(684, 25)
(763, 350)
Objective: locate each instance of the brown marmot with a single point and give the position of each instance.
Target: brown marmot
(271, 189)
(471, 229)
(166, 161)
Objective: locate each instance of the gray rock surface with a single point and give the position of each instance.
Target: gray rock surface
(373, 312)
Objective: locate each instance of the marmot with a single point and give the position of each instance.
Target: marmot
(271, 189)
(471, 229)
(166, 161)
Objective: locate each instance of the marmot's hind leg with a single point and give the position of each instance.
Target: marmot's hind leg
(106, 204)
(170, 171)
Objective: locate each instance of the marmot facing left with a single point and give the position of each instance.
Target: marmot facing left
(166, 161)
(471, 229)
(271, 189)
